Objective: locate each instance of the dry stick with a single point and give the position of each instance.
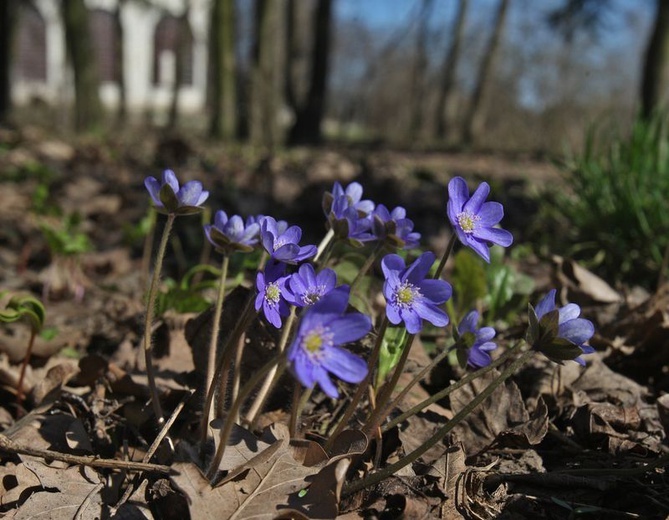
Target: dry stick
(152, 450)
(215, 329)
(377, 477)
(353, 404)
(446, 391)
(271, 379)
(148, 321)
(234, 410)
(221, 367)
(24, 365)
(8, 445)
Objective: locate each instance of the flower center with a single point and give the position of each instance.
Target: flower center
(406, 294)
(316, 339)
(313, 295)
(467, 221)
(272, 293)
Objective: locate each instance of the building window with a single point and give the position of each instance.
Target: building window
(105, 44)
(31, 44)
(172, 36)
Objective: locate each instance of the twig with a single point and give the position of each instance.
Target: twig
(8, 445)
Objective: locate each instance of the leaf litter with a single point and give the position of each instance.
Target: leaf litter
(553, 441)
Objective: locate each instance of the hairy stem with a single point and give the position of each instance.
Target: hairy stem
(362, 387)
(444, 259)
(377, 477)
(24, 365)
(148, 318)
(215, 329)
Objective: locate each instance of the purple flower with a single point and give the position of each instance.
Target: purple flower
(283, 244)
(229, 235)
(474, 343)
(393, 227)
(474, 219)
(410, 298)
(559, 333)
(316, 350)
(306, 287)
(351, 197)
(348, 224)
(168, 197)
(271, 287)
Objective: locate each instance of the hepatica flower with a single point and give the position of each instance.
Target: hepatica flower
(473, 344)
(316, 349)
(169, 197)
(473, 219)
(559, 333)
(229, 235)
(283, 245)
(271, 286)
(346, 213)
(410, 297)
(394, 227)
(306, 287)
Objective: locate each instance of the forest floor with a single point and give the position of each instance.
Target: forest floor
(552, 442)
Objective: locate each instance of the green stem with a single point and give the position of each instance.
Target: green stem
(366, 266)
(386, 393)
(362, 387)
(234, 410)
(148, 318)
(446, 391)
(300, 398)
(215, 329)
(444, 259)
(270, 380)
(377, 477)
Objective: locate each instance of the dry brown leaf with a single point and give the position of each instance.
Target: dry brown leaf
(501, 420)
(78, 494)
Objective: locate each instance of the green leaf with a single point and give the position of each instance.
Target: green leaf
(468, 280)
(391, 350)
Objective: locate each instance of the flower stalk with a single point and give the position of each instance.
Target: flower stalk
(148, 318)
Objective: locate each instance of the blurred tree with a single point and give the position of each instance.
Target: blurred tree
(266, 69)
(419, 72)
(590, 16)
(309, 115)
(87, 106)
(655, 77)
(7, 18)
(475, 119)
(223, 70)
(445, 96)
(181, 50)
(122, 111)
(298, 39)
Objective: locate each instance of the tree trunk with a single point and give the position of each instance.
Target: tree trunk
(265, 74)
(122, 110)
(419, 72)
(655, 81)
(475, 121)
(87, 107)
(445, 100)
(307, 126)
(223, 124)
(179, 56)
(7, 18)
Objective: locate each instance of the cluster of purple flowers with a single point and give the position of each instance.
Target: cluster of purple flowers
(412, 297)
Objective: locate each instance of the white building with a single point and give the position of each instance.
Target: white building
(151, 33)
